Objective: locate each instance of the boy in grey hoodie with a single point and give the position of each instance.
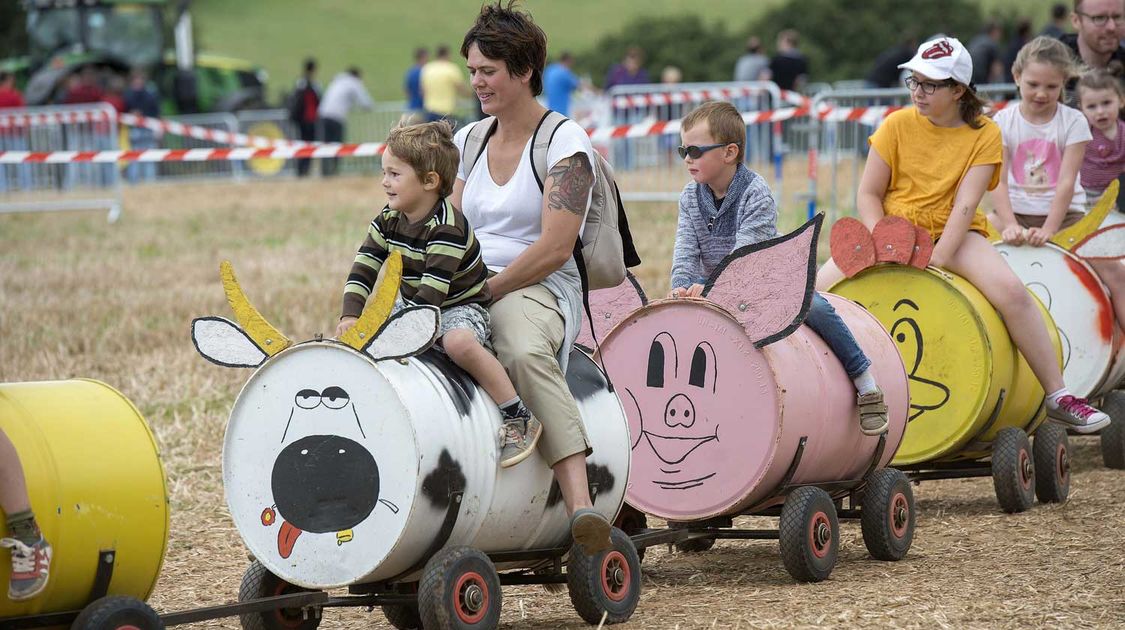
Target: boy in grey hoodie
(727, 206)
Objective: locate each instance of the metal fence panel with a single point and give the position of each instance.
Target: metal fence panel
(79, 185)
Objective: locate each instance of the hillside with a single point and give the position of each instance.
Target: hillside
(379, 36)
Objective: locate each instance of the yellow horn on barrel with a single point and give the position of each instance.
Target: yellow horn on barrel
(378, 306)
(268, 338)
(1074, 234)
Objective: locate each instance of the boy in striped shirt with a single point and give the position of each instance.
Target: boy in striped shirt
(442, 267)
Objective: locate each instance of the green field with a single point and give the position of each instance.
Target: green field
(380, 36)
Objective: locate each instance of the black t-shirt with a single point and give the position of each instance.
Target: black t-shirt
(786, 67)
(885, 72)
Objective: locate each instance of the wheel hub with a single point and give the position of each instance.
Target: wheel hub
(473, 598)
(1027, 471)
(823, 535)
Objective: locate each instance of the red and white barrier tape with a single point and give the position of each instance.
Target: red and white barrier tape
(218, 136)
(866, 115)
(366, 149)
(626, 101)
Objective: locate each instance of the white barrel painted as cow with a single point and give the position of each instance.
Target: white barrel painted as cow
(1093, 353)
(350, 463)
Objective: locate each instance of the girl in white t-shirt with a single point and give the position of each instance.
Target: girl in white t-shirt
(1040, 189)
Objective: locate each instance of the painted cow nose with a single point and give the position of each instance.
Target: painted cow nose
(679, 412)
(325, 483)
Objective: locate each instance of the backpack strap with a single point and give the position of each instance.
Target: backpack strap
(541, 143)
(476, 140)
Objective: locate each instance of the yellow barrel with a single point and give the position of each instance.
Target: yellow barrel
(967, 380)
(96, 485)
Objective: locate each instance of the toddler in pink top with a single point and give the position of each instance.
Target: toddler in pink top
(1100, 98)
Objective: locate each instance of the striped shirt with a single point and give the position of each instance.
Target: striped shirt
(441, 261)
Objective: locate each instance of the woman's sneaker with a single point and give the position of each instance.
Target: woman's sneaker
(518, 437)
(590, 529)
(872, 412)
(30, 566)
(1077, 414)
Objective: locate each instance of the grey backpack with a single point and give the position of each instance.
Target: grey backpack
(605, 248)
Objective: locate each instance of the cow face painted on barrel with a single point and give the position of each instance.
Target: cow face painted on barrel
(315, 438)
(693, 375)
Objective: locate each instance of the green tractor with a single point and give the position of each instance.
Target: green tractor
(113, 37)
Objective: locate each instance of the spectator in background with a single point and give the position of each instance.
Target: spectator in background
(753, 65)
(82, 87)
(141, 99)
(1057, 26)
(630, 71)
(442, 82)
(885, 72)
(1022, 36)
(115, 93)
(303, 110)
(13, 137)
(344, 92)
(985, 50)
(412, 84)
(559, 82)
(1098, 40)
(789, 67)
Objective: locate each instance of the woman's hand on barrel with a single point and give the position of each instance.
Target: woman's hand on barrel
(344, 325)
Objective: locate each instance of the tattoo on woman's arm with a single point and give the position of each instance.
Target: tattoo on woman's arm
(573, 178)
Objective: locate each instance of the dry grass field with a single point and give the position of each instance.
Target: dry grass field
(80, 298)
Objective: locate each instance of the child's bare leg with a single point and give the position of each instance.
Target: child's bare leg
(1112, 273)
(13, 487)
(982, 265)
(520, 431)
(828, 275)
(462, 348)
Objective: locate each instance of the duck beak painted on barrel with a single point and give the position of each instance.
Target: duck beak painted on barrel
(925, 394)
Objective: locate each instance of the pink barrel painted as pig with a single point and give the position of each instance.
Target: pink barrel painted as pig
(720, 391)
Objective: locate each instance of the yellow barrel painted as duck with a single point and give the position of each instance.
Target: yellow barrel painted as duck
(96, 484)
(967, 380)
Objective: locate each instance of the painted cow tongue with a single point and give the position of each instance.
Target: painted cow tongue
(286, 538)
(673, 450)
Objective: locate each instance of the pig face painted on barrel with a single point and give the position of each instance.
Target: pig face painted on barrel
(692, 375)
(308, 448)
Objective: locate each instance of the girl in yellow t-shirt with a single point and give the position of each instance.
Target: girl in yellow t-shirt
(931, 164)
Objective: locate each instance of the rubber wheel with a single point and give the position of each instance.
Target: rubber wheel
(459, 589)
(632, 521)
(258, 582)
(810, 534)
(695, 545)
(1013, 470)
(1051, 450)
(403, 616)
(887, 514)
(118, 612)
(606, 583)
(1113, 436)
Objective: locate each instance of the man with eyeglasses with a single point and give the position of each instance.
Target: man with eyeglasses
(1100, 25)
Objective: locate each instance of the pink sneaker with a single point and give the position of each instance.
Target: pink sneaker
(1077, 414)
(30, 565)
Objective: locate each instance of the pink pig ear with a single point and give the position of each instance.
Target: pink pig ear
(608, 307)
(1107, 243)
(768, 286)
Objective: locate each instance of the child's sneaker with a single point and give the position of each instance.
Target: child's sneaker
(29, 568)
(518, 437)
(1077, 414)
(872, 412)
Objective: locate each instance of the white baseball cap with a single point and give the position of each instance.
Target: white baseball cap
(942, 58)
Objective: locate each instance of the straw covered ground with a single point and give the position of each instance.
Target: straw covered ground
(79, 297)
